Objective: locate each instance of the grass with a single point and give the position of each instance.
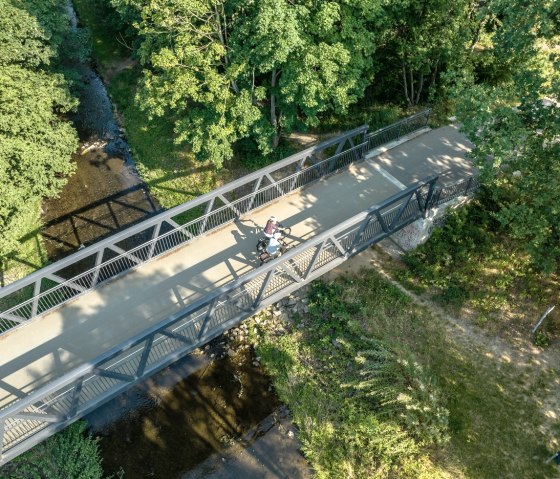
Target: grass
(471, 267)
(379, 388)
(31, 254)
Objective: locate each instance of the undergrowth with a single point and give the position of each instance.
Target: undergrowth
(365, 409)
(379, 389)
(471, 264)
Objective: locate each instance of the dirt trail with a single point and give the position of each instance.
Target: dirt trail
(526, 361)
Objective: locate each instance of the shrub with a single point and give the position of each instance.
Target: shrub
(70, 454)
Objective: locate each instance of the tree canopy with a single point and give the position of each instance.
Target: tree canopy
(515, 127)
(229, 69)
(233, 69)
(36, 141)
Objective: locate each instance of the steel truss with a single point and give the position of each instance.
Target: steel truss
(33, 418)
(60, 282)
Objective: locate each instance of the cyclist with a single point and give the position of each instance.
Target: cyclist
(272, 226)
(274, 244)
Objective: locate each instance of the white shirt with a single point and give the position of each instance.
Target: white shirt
(273, 246)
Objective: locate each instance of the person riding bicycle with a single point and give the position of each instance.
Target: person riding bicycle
(272, 226)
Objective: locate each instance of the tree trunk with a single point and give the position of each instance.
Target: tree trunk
(405, 83)
(420, 86)
(273, 116)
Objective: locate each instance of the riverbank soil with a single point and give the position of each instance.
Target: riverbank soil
(269, 451)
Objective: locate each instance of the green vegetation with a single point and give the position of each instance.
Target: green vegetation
(379, 387)
(36, 140)
(258, 70)
(169, 169)
(471, 264)
(70, 454)
(515, 128)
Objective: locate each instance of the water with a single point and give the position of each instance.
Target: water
(106, 193)
(176, 419)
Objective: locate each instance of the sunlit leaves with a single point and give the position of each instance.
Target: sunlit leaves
(35, 141)
(515, 127)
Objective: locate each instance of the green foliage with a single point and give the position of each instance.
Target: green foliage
(542, 339)
(470, 261)
(515, 129)
(426, 38)
(249, 69)
(70, 454)
(380, 388)
(35, 140)
(23, 40)
(366, 409)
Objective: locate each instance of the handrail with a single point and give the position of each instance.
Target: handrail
(78, 284)
(56, 404)
(61, 401)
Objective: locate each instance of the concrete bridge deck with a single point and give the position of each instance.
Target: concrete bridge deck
(78, 332)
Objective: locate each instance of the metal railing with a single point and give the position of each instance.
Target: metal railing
(464, 187)
(32, 418)
(58, 283)
(398, 130)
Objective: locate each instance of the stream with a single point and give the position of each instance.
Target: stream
(170, 423)
(106, 193)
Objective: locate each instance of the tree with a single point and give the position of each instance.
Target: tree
(515, 127)
(231, 69)
(36, 142)
(425, 38)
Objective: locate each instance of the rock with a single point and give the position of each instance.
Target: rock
(290, 434)
(256, 364)
(276, 312)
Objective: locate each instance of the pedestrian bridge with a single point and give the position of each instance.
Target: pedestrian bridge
(78, 332)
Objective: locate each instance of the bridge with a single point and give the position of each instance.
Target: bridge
(80, 331)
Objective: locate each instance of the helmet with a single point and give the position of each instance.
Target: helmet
(272, 218)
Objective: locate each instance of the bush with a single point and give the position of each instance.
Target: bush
(70, 454)
(365, 409)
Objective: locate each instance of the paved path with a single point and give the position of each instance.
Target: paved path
(78, 332)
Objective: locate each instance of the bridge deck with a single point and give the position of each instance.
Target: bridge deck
(78, 332)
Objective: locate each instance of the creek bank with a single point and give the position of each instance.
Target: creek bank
(106, 194)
